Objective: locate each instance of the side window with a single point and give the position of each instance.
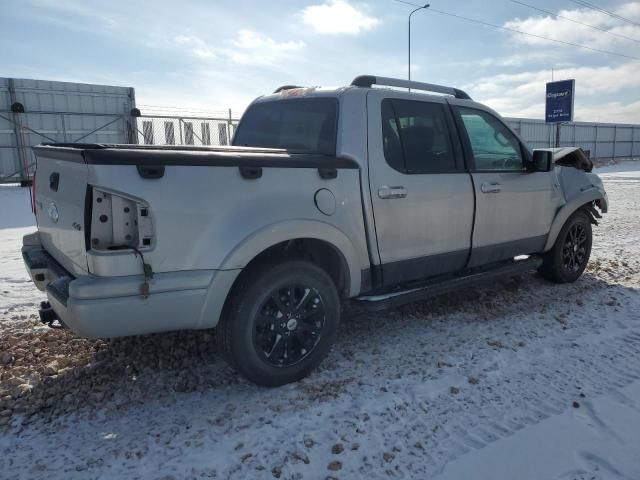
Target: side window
(494, 146)
(416, 137)
(391, 137)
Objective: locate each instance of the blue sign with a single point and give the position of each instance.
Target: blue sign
(559, 102)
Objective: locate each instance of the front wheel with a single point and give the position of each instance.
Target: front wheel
(568, 258)
(280, 322)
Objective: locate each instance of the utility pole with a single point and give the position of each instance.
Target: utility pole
(425, 6)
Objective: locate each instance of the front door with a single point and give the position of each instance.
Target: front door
(422, 196)
(514, 207)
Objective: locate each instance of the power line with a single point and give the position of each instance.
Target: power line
(508, 29)
(584, 3)
(575, 21)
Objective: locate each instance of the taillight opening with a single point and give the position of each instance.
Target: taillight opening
(117, 222)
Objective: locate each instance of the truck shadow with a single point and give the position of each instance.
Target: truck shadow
(61, 374)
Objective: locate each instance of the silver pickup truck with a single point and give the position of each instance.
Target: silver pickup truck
(362, 196)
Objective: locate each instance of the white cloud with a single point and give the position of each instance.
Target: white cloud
(516, 60)
(614, 112)
(196, 46)
(255, 48)
(75, 15)
(566, 31)
(600, 90)
(250, 48)
(522, 94)
(630, 10)
(591, 80)
(337, 17)
(204, 53)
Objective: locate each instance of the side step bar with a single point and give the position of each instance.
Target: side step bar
(384, 301)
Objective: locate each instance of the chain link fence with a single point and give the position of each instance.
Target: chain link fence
(20, 131)
(185, 130)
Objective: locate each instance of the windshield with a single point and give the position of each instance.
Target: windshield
(298, 124)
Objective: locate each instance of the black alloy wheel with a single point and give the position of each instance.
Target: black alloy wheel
(574, 250)
(568, 258)
(289, 324)
(280, 321)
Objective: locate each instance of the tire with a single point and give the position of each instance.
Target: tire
(279, 322)
(568, 258)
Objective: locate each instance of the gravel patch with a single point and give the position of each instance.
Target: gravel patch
(46, 373)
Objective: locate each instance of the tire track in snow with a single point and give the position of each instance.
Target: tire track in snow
(529, 394)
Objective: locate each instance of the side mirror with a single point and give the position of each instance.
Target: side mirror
(541, 162)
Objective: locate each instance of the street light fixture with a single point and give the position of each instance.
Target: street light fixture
(425, 6)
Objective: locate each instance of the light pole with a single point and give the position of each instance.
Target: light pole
(426, 5)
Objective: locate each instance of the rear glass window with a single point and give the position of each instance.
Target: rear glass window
(301, 125)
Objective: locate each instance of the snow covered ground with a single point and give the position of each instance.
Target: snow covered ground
(518, 380)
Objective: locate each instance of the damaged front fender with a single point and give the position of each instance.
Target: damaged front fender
(587, 199)
(572, 157)
(580, 188)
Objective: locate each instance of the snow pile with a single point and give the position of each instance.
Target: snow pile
(520, 379)
(15, 203)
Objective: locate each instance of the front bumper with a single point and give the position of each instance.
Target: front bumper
(603, 203)
(99, 307)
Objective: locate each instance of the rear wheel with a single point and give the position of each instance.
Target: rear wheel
(569, 256)
(280, 322)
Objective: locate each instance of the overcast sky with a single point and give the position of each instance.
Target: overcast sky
(212, 55)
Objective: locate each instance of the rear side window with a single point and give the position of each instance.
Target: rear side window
(416, 137)
(298, 124)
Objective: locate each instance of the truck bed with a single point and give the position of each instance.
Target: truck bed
(203, 203)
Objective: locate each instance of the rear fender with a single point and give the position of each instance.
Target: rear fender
(271, 235)
(265, 238)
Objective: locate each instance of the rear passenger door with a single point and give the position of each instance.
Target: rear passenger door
(421, 195)
(514, 207)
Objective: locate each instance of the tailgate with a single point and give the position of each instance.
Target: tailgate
(61, 194)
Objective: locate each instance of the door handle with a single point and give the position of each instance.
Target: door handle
(493, 187)
(392, 192)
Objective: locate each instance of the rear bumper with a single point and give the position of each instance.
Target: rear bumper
(99, 307)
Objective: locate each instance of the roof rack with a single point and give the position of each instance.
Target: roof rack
(368, 80)
(286, 87)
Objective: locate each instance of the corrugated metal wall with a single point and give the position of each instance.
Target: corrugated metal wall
(58, 112)
(602, 140)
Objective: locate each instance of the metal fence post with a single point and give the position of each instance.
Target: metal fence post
(64, 127)
(21, 161)
(615, 136)
(180, 127)
(131, 122)
(595, 144)
(520, 127)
